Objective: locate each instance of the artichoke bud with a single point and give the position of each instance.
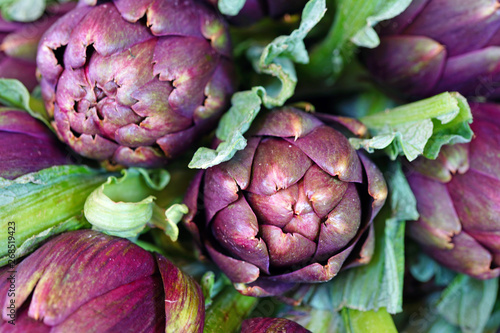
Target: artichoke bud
(458, 201)
(82, 273)
(293, 207)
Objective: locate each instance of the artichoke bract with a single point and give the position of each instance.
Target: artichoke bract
(458, 200)
(85, 281)
(271, 325)
(19, 42)
(440, 45)
(135, 82)
(27, 145)
(293, 207)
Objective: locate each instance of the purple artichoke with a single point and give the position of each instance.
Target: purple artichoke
(135, 82)
(440, 45)
(271, 325)
(27, 145)
(85, 281)
(19, 42)
(293, 207)
(459, 202)
(255, 10)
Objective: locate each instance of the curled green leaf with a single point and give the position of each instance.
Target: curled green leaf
(39, 201)
(122, 207)
(276, 59)
(230, 7)
(419, 128)
(13, 93)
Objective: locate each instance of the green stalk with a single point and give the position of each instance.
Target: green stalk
(349, 19)
(228, 311)
(38, 201)
(428, 108)
(368, 321)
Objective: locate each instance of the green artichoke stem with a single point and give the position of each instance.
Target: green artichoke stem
(228, 311)
(431, 107)
(368, 321)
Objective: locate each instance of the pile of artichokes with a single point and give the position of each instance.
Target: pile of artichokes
(250, 166)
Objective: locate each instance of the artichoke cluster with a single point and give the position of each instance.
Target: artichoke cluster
(132, 85)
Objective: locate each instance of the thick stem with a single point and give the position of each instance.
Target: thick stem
(428, 108)
(228, 311)
(368, 321)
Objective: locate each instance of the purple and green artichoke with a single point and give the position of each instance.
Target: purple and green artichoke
(458, 200)
(19, 42)
(271, 325)
(85, 281)
(295, 206)
(135, 82)
(27, 145)
(440, 45)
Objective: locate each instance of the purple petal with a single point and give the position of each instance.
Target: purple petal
(286, 249)
(412, 64)
(438, 221)
(133, 10)
(79, 258)
(451, 159)
(106, 31)
(331, 151)
(146, 157)
(214, 28)
(23, 323)
(277, 165)
(400, 22)
(323, 190)
(237, 271)
(467, 256)
(184, 303)
(161, 119)
(476, 199)
(306, 225)
(129, 69)
(462, 27)
(217, 92)
(57, 36)
(236, 228)
(233, 174)
(136, 307)
(264, 287)
(174, 18)
(474, 73)
(189, 63)
(485, 147)
(22, 70)
(276, 209)
(191, 201)
(286, 122)
(377, 187)
(341, 225)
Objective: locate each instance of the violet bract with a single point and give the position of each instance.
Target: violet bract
(27, 145)
(440, 45)
(295, 206)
